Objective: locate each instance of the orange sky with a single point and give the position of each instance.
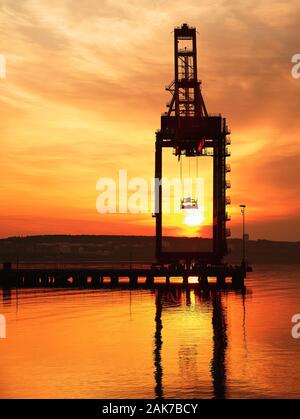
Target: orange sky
(85, 89)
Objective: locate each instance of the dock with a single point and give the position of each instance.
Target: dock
(97, 277)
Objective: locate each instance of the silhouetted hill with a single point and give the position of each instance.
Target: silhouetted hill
(64, 248)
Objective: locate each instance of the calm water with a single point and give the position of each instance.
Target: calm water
(119, 344)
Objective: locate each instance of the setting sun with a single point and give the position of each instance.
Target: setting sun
(193, 218)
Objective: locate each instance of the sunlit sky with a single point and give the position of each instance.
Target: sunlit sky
(83, 94)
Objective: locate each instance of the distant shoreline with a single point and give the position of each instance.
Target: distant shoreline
(97, 236)
(70, 248)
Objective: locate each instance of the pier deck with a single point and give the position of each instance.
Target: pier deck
(85, 277)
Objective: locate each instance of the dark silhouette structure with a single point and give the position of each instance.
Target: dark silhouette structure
(189, 130)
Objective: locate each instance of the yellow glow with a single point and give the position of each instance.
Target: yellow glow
(193, 218)
(193, 280)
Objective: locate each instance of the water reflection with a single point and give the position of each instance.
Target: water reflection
(218, 363)
(212, 300)
(158, 372)
(168, 343)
